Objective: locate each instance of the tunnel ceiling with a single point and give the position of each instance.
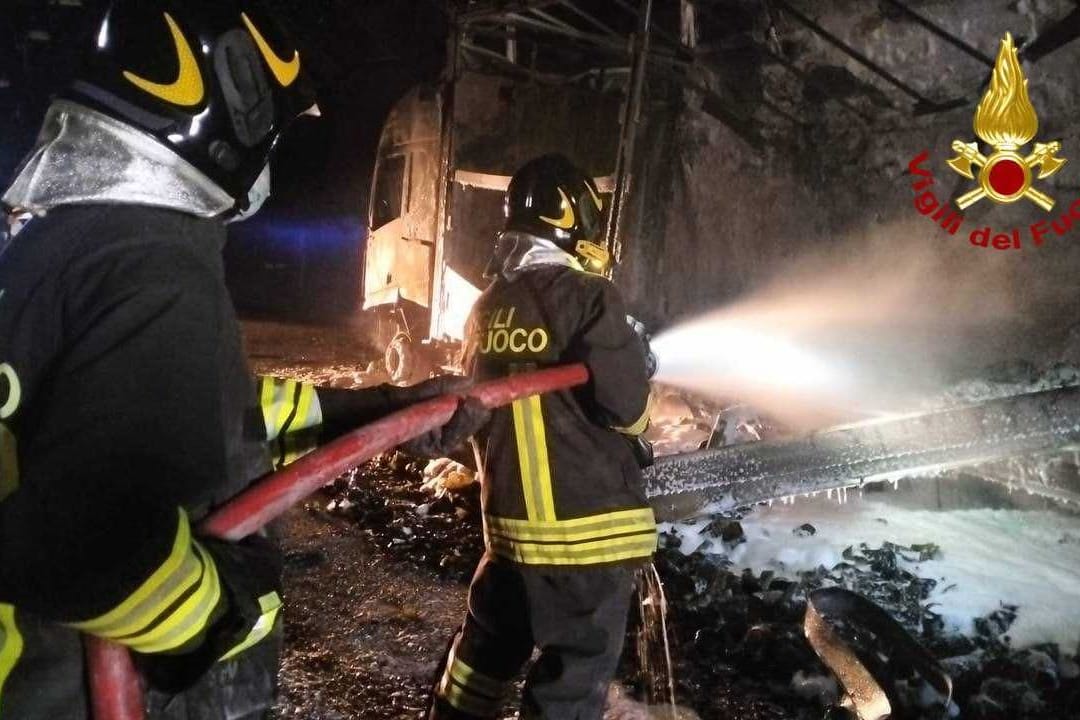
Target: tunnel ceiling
(768, 65)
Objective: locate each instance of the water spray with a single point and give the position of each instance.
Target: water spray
(856, 330)
(721, 355)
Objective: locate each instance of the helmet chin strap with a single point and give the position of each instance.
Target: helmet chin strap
(594, 258)
(257, 196)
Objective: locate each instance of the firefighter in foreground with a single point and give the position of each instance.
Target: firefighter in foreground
(126, 405)
(566, 521)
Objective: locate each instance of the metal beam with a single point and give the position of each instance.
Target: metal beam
(631, 117)
(543, 26)
(515, 68)
(792, 68)
(877, 450)
(809, 80)
(941, 32)
(601, 26)
(1063, 32)
(549, 18)
(658, 32)
(777, 110)
(495, 8)
(615, 45)
(924, 104)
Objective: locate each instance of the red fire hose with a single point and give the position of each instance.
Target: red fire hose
(115, 689)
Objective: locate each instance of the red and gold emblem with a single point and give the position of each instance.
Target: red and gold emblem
(1006, 121)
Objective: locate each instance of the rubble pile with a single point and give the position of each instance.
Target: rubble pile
(387, 497)
(737, 638)
(740, 650)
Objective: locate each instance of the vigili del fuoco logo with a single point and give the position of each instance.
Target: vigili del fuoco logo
(1005, 121)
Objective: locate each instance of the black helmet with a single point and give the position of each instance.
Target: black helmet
(552, 198)
(215, 80)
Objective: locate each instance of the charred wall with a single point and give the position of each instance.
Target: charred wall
(825, 166)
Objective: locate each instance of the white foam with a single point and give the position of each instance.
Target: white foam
(1030, 559)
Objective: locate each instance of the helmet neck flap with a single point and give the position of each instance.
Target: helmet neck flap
(517, 252)
(179, 104)
(84, 156)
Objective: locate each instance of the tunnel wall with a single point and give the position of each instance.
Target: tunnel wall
(716, 218)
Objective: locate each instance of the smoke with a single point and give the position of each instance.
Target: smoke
(867, 326)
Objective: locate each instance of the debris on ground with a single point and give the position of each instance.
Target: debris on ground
(366, 630)
(741, 630)
(623, 707)
(678, 422)
(389, 498)
(363, 631)
(444, 476)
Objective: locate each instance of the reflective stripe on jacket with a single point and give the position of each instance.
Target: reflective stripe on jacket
(561, 486)
(126, 408)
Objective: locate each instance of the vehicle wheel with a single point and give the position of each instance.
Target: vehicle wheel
(406, 362)
(400, 359)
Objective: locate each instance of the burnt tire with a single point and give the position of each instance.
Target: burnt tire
(400, 359)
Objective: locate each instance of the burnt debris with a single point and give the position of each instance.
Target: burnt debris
(738, 646)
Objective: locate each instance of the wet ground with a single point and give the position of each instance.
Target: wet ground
(377, 570)
(376, 579)
(333, 355)
(363, 631)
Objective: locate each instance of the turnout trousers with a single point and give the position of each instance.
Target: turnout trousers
(575, 617)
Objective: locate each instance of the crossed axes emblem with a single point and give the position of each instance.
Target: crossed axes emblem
(1015, 169)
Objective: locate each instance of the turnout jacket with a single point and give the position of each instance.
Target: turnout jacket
(126, 411)
(561, 486)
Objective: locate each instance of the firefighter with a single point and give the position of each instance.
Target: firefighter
(126, 406)
(566, 521)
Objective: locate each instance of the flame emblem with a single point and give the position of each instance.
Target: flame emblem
(1006, 121)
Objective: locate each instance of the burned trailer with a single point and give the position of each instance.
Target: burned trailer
(399, 253)
(518, 84)
(428, 246)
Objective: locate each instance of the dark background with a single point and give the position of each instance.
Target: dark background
(300, 257)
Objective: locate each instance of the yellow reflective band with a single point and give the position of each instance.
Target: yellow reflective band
(586, 553)
(180, 571)
(593, 527)
(9, 463)
(567, 220)
(533, 458)
(524, 459)
(288, 406)
(270, 604)
(188, 620)
(284, 71)
(461, 699)
(266, 402)
(472, 680)
(468, 690)
(11, 646)
(641, 424)
(187, 90)
(308, 411)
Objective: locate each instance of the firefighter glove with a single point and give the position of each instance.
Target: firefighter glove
(436, 386)
(651, 362)
(643, 451)
(470, 416)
